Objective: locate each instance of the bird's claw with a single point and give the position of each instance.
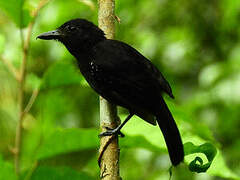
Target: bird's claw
(111, 132)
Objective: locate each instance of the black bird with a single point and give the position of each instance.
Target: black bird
(121, 75)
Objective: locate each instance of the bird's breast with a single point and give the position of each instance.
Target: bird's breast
(95, 77)
(93, 69)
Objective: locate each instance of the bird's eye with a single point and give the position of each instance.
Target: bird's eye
(70, 28)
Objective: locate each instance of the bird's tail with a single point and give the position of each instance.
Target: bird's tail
(171, 134)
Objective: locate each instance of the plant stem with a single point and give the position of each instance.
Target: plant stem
(10, 68)
(21, 94)
(109, 148)
(18, 139)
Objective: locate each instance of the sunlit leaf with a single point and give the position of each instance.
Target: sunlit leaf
(62, 74)
(63, 173)
(197, 165)
(32, 82)
(215, 164)
(220, 168)
(89, 3)
(140, 131)
(230, 13)
(2, 43)
(142, 135)
(68, 140)
(6, 170)
(14, 9)
(138, 142)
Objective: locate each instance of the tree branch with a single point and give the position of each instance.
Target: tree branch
(109, 148)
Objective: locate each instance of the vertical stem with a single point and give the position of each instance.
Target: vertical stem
(18, 139)
(109, 162)
(21, 94)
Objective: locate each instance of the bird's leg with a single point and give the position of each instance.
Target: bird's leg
(116, 131)
(110, 132)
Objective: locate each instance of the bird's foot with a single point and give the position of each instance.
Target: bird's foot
(111, 132)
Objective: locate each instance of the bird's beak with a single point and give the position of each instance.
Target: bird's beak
(56, 34)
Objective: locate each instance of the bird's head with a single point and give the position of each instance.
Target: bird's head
(76, 35)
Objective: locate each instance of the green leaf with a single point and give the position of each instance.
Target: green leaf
(2, 43)
(143, 135)
(140, 134)
(68, 140)
(215, 165)
(230, 13)
(138, 142)
(32, 82)
(6, 170)
(62, 74)
(197, 164)
(63, 173)
(219, 168)
(14, 9)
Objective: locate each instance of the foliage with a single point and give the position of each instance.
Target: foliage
(195, 45)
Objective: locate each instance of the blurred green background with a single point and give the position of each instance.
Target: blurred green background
(195, 44)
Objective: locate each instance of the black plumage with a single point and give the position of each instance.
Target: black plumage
(123, 76)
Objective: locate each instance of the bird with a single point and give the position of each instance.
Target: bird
(123, 76)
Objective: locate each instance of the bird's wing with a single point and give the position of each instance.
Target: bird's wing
(125, 77)
(125, 63)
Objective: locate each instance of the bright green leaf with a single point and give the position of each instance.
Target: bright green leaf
(32, 82)
(215, 165)
(2, 43)
(62, 74)
(139, 134)
(219, 168)
(198, 165)
(136, 127)
(63, 173)
(208, 149)
(13, 8)
(138, 142)
(68, 140)
(6, 170)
